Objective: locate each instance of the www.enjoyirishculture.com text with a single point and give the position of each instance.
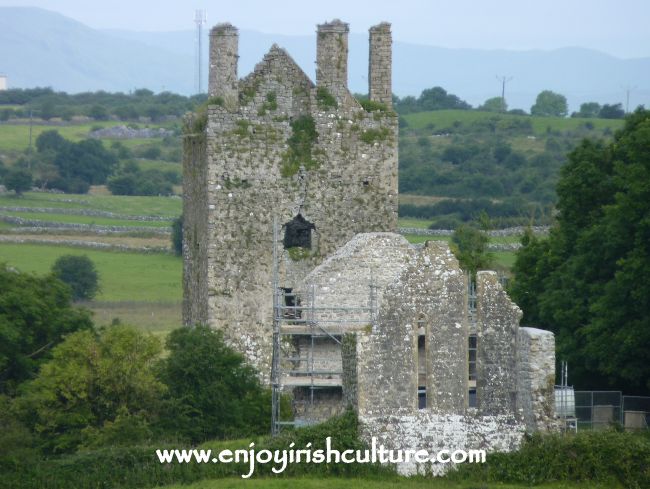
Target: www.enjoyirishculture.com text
(280, 459)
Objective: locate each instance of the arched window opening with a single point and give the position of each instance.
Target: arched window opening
(297, 233)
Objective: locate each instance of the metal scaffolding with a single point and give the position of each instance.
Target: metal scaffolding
(296, 318)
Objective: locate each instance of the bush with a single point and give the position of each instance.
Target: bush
(35, 314)
(95, 389)
(18, 180)
(607, 457)
(79, 273)
(213, 392)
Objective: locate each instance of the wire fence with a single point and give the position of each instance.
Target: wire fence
(595, 410)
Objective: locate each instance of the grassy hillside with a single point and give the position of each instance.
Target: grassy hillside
(503, 164)
(540, 125)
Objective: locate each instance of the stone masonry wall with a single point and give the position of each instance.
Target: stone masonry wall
(498, 321)
(195, 228)
(536, 378)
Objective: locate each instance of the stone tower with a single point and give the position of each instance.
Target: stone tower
(278, 165)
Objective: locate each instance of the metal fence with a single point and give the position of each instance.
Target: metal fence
(601, 409)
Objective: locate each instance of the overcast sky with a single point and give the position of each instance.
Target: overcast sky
(617, 27)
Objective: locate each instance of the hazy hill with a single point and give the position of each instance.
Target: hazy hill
(38, 47)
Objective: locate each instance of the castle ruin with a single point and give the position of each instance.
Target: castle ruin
(290, 248)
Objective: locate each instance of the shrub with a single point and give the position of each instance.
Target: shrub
(607, 457)
(79, 273)
(18, 180)
(213, 392)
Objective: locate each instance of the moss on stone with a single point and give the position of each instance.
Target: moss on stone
(301, 144)
(298, 253)
(325, 99)
(370, 136)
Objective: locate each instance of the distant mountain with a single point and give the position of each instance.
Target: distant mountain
(38, 47)
(43, 48)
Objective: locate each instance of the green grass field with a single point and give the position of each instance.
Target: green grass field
(98, 221)
(15, 137)
(132, 277)
(131, 206)
(394, 483)
(446, 118)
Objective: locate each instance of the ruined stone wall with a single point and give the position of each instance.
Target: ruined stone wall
(429, 293)
(498, 321)
(343, 181)
(427, 430)
(536, 378)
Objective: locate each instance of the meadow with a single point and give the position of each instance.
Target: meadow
(446, 118)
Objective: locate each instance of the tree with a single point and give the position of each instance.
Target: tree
(614, 111)
(212, 390)
(98, 112)
(587, 281)
(79, 273)
(588, 110)
(95, 389)
(470, 247)
(51, 141)
(548, 104)
(35, 314)
(437, 98)
(494, 104)
(19, 180)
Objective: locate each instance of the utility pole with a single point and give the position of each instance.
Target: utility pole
(628, 89)
(199, 20)
(29, 160)
(503, 79)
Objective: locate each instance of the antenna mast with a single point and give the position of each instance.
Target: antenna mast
(199, 20)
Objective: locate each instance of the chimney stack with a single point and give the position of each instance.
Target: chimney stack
(332, 58)
(223, 82)
(380, 64)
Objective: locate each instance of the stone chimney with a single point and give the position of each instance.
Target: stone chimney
(380, 64)
(332, 58)
(223, 82)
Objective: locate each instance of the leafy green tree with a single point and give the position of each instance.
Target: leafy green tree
(549, 103)
(51, 141)
(212, 391)
(93, 387)
(470, 247)
(587, 281)
(588, 109)
(494, 104)
(35, 314)
(79, 273)
(19, 180)
(614, 111)
(98, 112)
